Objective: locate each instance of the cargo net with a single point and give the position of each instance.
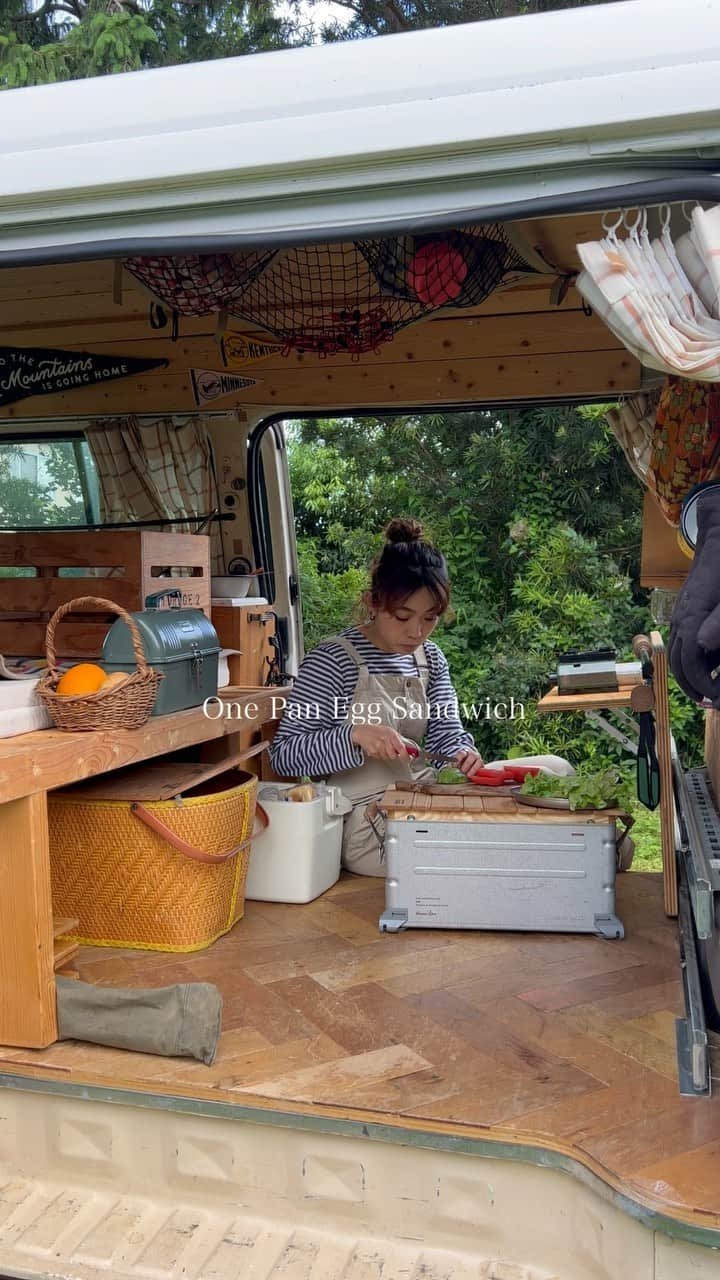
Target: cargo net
(199, 284)
(455, 268)
(332, 299)
(352, 298)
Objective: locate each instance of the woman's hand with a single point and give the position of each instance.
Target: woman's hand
(380, 742)
(468, 761)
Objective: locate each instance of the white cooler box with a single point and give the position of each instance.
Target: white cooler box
(544, 876)
(298, 857)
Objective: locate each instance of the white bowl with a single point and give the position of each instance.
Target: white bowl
(234, 586)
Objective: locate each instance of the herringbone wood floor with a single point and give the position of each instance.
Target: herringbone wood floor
(564, 1041)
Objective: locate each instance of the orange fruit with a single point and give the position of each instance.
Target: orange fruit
(85, 678)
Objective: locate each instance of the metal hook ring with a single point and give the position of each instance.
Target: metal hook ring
(686, 215)
(609, 228)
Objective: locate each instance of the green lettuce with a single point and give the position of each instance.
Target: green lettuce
(451, 776)
(607, 789)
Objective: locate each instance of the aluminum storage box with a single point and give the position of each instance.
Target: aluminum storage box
(181, 643)
(540, 875)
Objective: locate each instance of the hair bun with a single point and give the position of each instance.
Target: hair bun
(402, 530)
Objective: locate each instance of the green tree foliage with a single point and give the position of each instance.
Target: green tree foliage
(330, 600)
(57, 501)
(74, 39)
(41, 43)
(388, 17)
(539, 517)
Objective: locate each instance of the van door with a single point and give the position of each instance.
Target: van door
(273, 532)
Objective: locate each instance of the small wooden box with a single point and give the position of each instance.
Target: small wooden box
(249, 628)
(120, 565)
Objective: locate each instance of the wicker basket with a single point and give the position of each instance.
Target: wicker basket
(125, 706)
(165, 875)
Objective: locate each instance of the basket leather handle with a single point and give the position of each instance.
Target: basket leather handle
(99, 604)
(189, 850)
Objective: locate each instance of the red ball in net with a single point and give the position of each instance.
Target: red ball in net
(436, 273)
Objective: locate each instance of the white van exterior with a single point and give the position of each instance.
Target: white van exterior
(576, 110)
(545, 112)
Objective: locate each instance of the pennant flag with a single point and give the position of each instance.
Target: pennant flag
(208, 385)
(238, 350)
(41, 371)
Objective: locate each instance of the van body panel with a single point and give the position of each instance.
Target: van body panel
(129, 1186)
(312, 141)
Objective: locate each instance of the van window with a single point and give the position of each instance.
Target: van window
(47, 482)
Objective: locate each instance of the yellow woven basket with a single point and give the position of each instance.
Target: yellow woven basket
(165, 875)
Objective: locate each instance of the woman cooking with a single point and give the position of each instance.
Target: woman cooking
(361, 697)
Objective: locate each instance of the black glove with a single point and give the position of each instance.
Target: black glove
(694, 648)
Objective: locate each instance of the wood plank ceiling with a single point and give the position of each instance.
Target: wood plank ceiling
(516, 345)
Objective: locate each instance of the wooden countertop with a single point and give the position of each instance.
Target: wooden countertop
(49, 758)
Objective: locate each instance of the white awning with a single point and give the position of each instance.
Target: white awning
(366, 134)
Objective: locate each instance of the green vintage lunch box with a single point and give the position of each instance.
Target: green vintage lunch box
(181, 643)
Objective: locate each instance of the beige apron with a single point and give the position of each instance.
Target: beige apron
(360, 849)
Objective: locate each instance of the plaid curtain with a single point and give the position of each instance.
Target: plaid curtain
(151, 470)
(660, 299)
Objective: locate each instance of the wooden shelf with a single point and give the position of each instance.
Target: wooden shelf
(250, 630)
(65, 949)
(32, 944)
(50, 758)
(63, 925)
(554, 701)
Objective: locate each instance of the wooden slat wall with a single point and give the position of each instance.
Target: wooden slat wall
(515, 345)
(662, 563)
(548, 332)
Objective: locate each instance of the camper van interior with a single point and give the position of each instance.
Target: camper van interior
(561, 1042)
(145, 381)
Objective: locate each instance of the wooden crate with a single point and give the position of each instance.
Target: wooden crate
(248, 628)
(120, 565)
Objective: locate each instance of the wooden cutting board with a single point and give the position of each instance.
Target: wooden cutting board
(455, 789)
(475, 804)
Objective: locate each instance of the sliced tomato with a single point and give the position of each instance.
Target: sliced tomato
(519, 772)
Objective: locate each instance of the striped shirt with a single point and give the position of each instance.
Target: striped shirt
(312, 737)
